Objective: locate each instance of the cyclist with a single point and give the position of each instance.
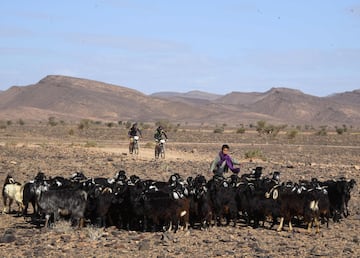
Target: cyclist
(134, 131)
(160, 134)
(160, 137)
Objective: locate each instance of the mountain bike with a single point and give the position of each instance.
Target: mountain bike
(160, 149)
(134, 145)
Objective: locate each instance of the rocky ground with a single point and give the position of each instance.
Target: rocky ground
(23, 152)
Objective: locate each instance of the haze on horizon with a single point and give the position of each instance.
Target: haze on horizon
(212, 46)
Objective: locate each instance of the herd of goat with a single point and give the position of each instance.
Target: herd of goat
(133, 203)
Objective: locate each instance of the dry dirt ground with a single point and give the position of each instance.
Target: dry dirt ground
(25, 151)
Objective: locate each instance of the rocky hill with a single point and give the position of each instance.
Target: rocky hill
(70, 98)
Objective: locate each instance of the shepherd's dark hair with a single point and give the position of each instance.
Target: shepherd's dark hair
(225, 146)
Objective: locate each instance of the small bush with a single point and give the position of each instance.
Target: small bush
(84, 124)
(62, 226)
(89, 144)
(71, 132)
(51, 121)
(292, 134)
(94, 233)
(240, 130)
(219, 130)
(21, 122)
(254, 154)
(340, 130)
(322, 131)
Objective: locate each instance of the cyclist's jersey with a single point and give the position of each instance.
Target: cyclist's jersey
(134, 132)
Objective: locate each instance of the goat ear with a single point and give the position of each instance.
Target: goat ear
(275, 194)
(176, 195)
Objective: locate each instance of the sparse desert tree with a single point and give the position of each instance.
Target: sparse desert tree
(21, 122)
(341, 130)
(52, 121)
(260, 126)
(9, 122)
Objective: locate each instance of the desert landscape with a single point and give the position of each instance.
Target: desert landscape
(101, 151)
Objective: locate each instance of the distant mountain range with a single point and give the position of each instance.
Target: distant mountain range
(69, 98)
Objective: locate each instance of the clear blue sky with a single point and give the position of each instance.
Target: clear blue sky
(172, 45)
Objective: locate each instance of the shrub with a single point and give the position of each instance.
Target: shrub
(219, 130)
(21, 122)
(51, 121)
(260, 127)
(340, 130)
(89, 144)
(63, 226)
(292, 134)
(254, 154)
(84, 124)
(71, 132)
(240, 130)
(94, 233)
(322, 131)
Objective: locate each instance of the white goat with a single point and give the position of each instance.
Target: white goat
(12, 191)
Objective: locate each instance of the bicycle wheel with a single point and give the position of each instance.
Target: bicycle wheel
(131, 147)
(157, 151)
(136, 148)
(162, 152)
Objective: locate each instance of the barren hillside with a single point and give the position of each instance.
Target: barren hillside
(69, 98)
